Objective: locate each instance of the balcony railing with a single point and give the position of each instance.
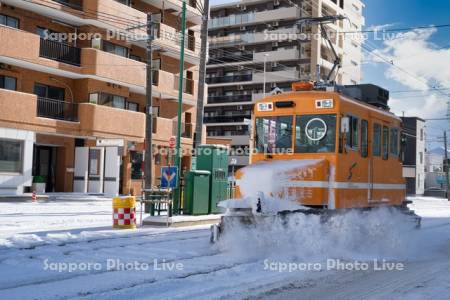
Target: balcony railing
(60, 52)
(57, 109)
(227, 119)
(229, 79)
(188, 85)
(231, 58)
(229, 98)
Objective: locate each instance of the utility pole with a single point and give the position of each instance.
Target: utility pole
(202, 74)
(177, 193)
(148, 159)
(446, 165)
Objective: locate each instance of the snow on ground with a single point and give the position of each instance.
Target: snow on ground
(40, 242)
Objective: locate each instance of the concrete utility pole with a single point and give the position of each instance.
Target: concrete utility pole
(202, 74)
(446, 165)
(148, 159)
(177, 193)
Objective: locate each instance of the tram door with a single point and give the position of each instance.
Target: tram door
(375, 159)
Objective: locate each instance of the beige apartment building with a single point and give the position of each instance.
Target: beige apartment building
(252, 42)
(72, 92)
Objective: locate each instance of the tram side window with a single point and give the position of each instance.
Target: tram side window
(376, 143)
(364, 138)
(385, 142)
(394, 147)
(352, 135)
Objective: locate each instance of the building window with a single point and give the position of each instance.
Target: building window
(421, 157)
(136, 159)
(132, 106)
(115, 49)
(9, 21)
(112, 100)
(11, 154)
(421, 134)
(352, 135)
(125, 2)
(364, 138)
(385, 142)
(376, 144)
(48, 91)
(8, 83)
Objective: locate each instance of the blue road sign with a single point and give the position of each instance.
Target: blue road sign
(169, 177)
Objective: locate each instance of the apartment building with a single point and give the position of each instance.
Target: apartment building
(72, 92)
(414, 155)
(252, 42)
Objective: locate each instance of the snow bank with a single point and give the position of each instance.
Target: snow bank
(378, 234)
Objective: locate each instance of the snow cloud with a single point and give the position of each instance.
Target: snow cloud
(420, 65)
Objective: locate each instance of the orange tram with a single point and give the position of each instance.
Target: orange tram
(348, 133)
(357, 144)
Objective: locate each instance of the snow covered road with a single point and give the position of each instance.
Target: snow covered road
(40, 242)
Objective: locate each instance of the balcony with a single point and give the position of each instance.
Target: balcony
(164, 128)
(167, 86)
(188, 85)
(229, 99)
(57, 109)
(28, 112)
(227, 119)
(170, 40)
(284, 13)
(113, 67)
(229, 79)
(231, 58)
(60, 52)
(109, 122)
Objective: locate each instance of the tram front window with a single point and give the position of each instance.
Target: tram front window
(274, 134)
(315, 134)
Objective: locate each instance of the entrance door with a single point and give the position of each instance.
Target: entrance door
(112, 171)
(96, 169)
(80, 179)
(44, 165)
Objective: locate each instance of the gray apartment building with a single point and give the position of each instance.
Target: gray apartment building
(257, 47)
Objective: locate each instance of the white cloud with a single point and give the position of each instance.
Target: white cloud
(418, 64)
(430, 106)
(380, 27)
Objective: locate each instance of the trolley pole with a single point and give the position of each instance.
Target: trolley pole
(148, 159)
(177, 193)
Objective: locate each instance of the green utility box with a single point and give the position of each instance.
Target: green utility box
(196, 192)
(214, 158)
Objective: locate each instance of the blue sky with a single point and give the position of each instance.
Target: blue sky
(420, 61)
(410, 13)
